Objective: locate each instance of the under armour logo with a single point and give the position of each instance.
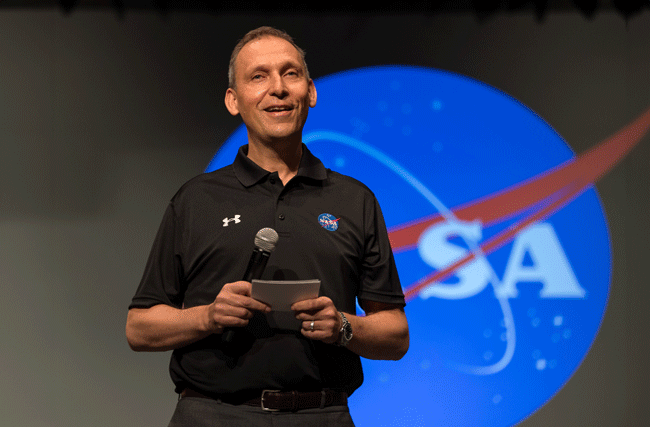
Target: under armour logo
(226, 221)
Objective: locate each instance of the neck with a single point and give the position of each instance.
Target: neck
(281, 157)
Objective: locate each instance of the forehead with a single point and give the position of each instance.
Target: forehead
(267, 51)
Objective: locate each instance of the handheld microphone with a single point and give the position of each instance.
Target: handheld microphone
(265, 241)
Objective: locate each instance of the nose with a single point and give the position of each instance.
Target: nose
(278, 87)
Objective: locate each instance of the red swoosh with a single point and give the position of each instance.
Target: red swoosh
(546, 193)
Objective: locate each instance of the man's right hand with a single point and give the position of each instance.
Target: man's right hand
(162, 327)
(233, 307)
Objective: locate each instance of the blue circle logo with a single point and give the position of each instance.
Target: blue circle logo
(498, 233)
(328, 222)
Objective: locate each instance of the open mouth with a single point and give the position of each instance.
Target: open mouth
(278, 109)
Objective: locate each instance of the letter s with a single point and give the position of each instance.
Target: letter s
(436, 250)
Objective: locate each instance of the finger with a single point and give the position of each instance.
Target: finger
(321, 328)
(220, 320)
(305, 316)
(239, 312)
(240, 294)
(225, 314)
(324, 315)
(240, 288)
(317, 334)
(233, 321)
(252, 304)
(309, 326)
(243, 301)
(310, 329)
(311, 305)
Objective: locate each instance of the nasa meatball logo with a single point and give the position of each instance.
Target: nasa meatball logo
(499, 237)
(328, 222)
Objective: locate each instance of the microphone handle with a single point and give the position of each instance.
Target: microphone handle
(254, 270)
(256, 265)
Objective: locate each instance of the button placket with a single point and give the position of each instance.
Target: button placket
(280, 203)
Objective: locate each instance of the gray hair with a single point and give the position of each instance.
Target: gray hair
(257, 34)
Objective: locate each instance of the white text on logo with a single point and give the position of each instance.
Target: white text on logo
(550, 265)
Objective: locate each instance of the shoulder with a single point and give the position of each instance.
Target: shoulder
(349, 188)
(347, 182)
(209, 182)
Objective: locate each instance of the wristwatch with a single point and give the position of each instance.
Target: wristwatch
(345, 334)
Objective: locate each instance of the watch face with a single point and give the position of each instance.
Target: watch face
(347, 330)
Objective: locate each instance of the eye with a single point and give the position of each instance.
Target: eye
(258, 76)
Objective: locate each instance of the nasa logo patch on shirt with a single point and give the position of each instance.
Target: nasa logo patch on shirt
(328, 221)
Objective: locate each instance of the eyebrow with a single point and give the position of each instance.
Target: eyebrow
(289, 64)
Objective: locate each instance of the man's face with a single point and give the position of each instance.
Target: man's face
(272, 93)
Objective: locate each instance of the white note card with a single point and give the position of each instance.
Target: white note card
(281, 294)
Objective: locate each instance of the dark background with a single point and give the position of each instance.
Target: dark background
(106, 108)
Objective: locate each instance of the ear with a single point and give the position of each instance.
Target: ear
(312, 94)
(231, 101)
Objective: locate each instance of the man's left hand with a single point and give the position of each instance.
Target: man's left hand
(320, 319)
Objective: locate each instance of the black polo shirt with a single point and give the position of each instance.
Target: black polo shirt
(330, 228)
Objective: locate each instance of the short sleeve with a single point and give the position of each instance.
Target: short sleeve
(379, 280)
(162, 280)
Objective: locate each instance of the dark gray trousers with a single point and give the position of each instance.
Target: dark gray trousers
(200, 412)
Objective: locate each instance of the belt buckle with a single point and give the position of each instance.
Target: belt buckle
(264, 408)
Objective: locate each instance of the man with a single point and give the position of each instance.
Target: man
(191, 290)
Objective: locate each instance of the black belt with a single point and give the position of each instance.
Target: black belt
(274, 400)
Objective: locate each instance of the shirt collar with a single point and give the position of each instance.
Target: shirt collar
(249, 173)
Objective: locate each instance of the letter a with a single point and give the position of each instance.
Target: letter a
(550, 266)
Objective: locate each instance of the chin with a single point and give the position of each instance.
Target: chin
(283, 134)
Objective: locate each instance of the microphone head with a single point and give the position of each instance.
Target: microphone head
(266, 239)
